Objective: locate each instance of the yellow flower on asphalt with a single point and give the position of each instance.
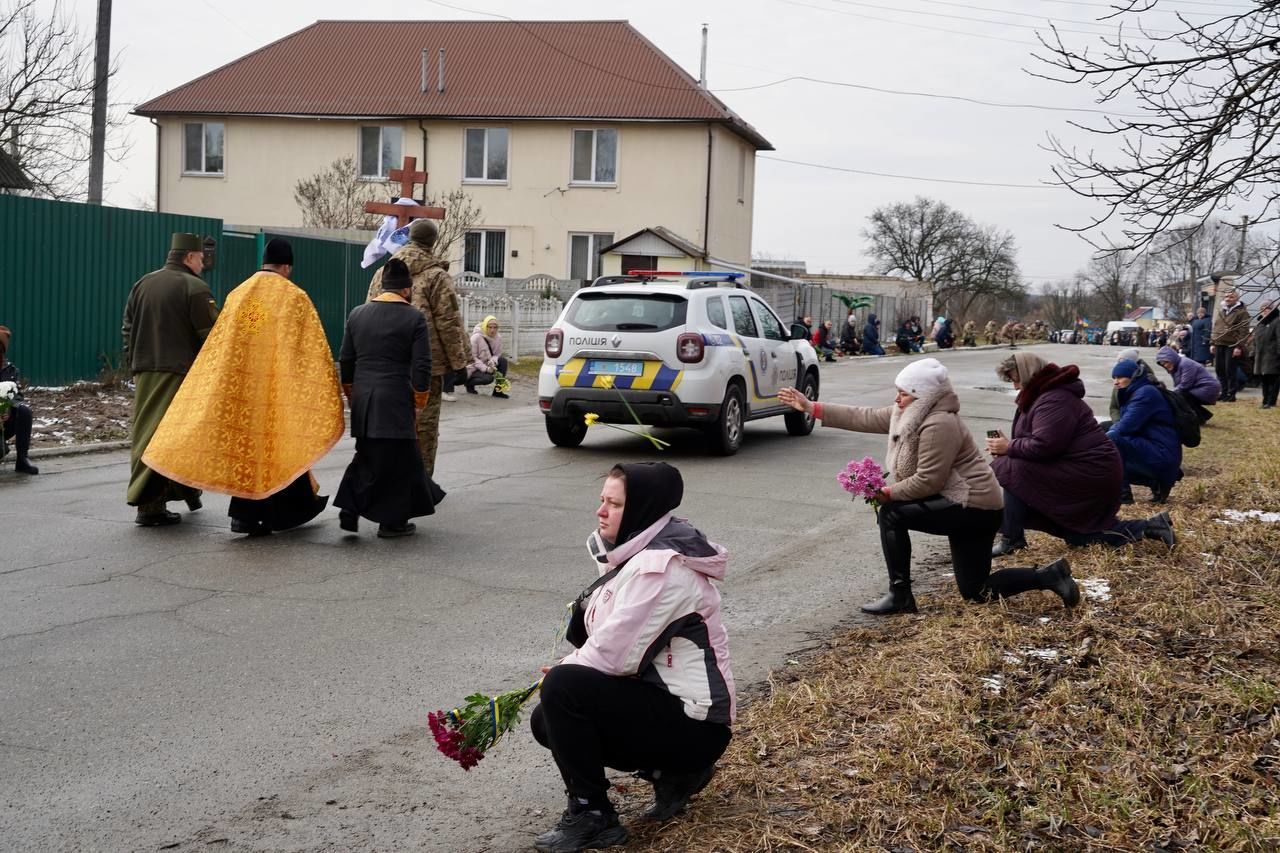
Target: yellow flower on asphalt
(606, 381)
(591, 418)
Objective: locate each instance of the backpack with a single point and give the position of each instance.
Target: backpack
(1185, 420)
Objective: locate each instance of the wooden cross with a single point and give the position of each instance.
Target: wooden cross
(408, 177)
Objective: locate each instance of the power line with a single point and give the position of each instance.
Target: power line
(945, 30)
(959, 17)
(907, 92)
(1044, 18)
(906, 177)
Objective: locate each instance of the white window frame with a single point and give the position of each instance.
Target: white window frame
(593, 251)
(491, 181)
(484, 237)
(617, 156)
(360, 152)
(202, 172)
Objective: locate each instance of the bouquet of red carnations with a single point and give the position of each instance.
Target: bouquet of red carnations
(863, 479)
(466, 734)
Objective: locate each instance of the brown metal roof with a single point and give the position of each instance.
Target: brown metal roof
(493, 69)
(11, 175)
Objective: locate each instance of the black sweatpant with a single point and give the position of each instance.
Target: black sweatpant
(971, 532)
(1224, 365)
(18, 427)
(1202, 412)
(1019, 517)
(590, 721)
(1270, 388)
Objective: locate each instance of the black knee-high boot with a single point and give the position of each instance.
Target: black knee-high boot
(895, 541)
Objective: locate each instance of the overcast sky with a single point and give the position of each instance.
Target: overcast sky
(978, 49)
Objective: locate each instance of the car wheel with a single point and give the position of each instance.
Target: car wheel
(566, 432)
(726, 432)
(799, 423)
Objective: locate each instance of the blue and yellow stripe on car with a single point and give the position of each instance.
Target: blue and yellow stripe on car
(656, 377)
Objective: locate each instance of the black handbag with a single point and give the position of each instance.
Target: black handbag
(576, 632)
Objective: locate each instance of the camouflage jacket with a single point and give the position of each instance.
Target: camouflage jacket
(434, 296)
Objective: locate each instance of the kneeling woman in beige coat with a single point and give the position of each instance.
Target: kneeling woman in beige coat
(940, 485)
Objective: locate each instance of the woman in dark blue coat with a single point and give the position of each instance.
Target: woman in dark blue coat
(1146, 434)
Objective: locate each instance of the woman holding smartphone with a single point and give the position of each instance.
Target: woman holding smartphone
(1060, 473)
(941, 485)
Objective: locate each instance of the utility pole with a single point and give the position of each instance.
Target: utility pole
(1244, 232)
(101, 71)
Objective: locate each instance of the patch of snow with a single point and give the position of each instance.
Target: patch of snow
(1042, 654)
(1209, 559)
(1098, 589)
(1011, 658)
(1238, 516)
(49, 388)
(1045, 620)
(994, 683)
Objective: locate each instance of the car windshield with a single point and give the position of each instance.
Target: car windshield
(627, 312)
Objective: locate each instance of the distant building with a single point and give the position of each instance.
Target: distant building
(566, 134)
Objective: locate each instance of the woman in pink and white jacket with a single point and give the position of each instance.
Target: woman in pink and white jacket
(649, 687)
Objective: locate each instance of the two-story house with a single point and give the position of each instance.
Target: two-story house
(569, 136)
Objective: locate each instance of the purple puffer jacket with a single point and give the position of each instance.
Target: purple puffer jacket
(1061, 463)
(1191, 376)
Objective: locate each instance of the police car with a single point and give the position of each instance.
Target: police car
(676, 349)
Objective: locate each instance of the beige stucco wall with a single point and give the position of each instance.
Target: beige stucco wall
(731, 219)
(661, 180)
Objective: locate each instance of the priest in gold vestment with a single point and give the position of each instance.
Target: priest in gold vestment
(260, 406)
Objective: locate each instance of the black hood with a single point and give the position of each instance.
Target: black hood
(653, 490)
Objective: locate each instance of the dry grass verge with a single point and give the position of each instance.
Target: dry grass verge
(1146, 720)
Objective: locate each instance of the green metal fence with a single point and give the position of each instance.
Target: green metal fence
(66, 270)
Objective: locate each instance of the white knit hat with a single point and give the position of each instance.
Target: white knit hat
(1130, 354)
(919, 378)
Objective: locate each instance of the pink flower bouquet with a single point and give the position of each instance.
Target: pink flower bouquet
(863, 479)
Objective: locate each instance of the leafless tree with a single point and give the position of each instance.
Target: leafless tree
(335, 197)
(1204, 136)
(1117, 281)
(461, 215)
(1065, 302)
(968, 264)
(46, 98)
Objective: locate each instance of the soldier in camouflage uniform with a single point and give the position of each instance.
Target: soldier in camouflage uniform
(434, 296)
(990, 330)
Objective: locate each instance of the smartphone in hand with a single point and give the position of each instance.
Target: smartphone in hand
(993, 433)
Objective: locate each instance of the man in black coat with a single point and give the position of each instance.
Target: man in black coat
(385, 366)
(16, 422)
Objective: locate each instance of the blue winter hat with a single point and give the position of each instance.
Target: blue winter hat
(1124, 368)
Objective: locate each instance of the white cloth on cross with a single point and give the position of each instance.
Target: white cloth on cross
(388, 239)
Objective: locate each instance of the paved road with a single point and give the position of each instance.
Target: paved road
(186, 689)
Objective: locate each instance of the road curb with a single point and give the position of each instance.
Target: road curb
(77, 449)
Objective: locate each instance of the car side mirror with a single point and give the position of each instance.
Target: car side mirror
(798, 332)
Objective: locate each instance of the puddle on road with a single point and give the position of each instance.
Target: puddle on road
(999, 389)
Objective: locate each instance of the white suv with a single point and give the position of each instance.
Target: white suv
(683, 349)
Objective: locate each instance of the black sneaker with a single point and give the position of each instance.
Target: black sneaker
(349, 521)
(1160, 528)
(672, 791)
(158, 518)
(395, 531)
(1007, 546)
(250, 528)
(583, 830)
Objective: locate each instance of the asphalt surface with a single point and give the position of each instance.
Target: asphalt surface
(186, 689)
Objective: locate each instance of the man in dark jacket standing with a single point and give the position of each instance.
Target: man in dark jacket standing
(1266, 353)
(434, 296)
(1230, 329)
(168, 316)
(385, 367)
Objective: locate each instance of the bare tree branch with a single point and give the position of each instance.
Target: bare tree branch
(46, 98)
